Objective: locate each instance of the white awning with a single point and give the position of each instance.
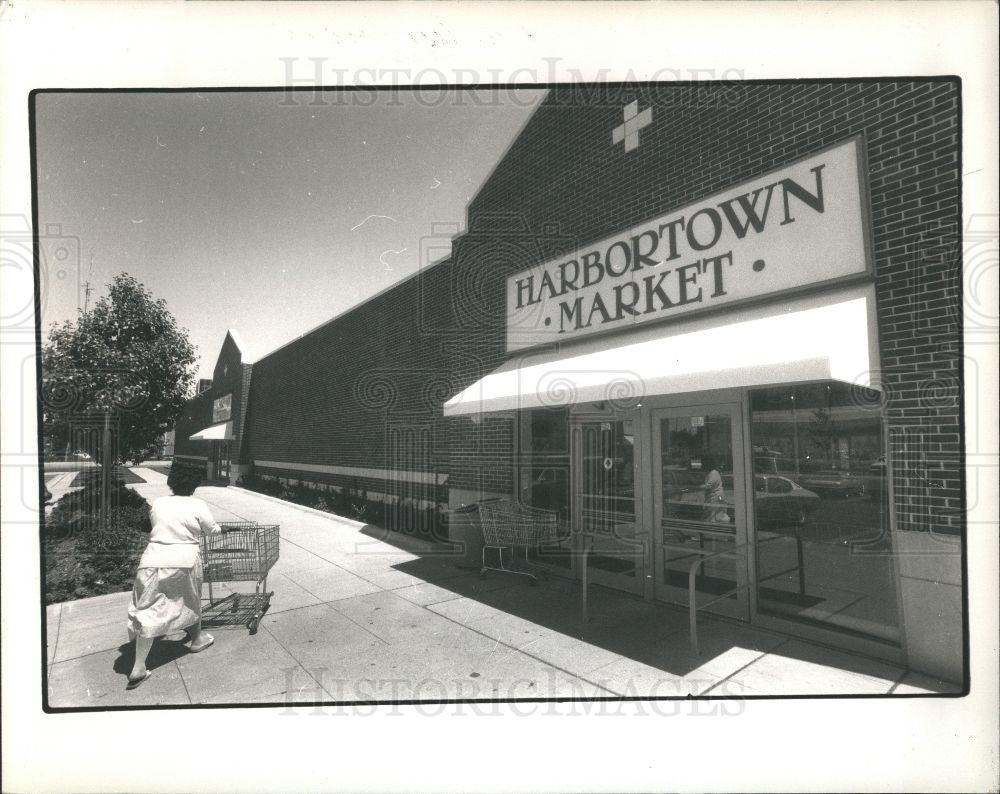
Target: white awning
(832, 336)
(220, 432)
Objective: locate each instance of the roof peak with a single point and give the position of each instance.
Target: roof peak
(245, 356)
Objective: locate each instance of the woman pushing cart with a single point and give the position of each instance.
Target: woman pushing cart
(187, 547)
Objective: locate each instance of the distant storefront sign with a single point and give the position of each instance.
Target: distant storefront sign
(222, 408)
(799, 226)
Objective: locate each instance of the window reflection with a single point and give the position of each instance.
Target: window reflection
(544, 474)
(698, 510)
(697, 469)
(544, 470)
(823, 550)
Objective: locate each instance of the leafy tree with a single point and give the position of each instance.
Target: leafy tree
(126, 358)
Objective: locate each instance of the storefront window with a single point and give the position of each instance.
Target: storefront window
(544, 460)
(696, 470)
(824, 550)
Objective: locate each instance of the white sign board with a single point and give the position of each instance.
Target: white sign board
(800, 226)
(222, 408)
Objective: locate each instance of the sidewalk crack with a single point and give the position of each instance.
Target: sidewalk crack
(297, 661)
(744, 667)
(55, 642)
(180, 674)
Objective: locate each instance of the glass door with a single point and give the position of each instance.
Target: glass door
(699, 507)
(605, 519)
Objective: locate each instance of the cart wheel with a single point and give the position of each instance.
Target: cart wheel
(252, 625)
(532, 581)
(482, 574)
(236, 603)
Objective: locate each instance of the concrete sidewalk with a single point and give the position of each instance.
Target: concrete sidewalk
(155, 485)
(61, 479)
(363, 614)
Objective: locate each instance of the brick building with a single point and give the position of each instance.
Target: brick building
(690, 319)
(212, 427)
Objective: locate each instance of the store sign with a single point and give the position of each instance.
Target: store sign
(800, 226)
(222, 408)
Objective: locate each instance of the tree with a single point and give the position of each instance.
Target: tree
(126, 359)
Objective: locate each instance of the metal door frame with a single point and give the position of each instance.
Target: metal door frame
(745, 606)
(644, 426)
(636, 584)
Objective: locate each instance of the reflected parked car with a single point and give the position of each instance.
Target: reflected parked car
(781, 501)
(772, 464)
(833, 482)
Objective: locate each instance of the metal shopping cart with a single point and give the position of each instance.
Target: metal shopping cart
(243, 552)
(510, 526)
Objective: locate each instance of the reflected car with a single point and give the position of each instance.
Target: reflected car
(831, 482)
(780, 501)
(772, 465)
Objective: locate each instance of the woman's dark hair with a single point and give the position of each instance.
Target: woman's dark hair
(183, 480)
(708, 463)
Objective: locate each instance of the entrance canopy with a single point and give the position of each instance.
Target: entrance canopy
(220, 432)
(831, 336)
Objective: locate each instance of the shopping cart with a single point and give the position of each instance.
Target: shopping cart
(510, 526)
(243, 552)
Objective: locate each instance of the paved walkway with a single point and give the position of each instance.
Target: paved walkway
(155, 485)
(60, 479)
(359, 614)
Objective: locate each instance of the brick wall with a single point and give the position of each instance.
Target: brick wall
(563, 185)
(363, 391)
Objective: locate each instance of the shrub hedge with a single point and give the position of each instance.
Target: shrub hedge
(405, 516)
(85, 555)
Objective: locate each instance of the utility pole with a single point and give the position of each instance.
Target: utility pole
(86, 290)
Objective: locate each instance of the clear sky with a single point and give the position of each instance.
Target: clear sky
(242, 212)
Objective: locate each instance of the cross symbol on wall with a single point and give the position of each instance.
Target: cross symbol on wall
(634, 121)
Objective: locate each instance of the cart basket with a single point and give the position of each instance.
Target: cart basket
(507, 524)
(242, 552)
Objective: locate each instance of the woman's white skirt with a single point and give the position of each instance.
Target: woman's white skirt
(165, 601)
